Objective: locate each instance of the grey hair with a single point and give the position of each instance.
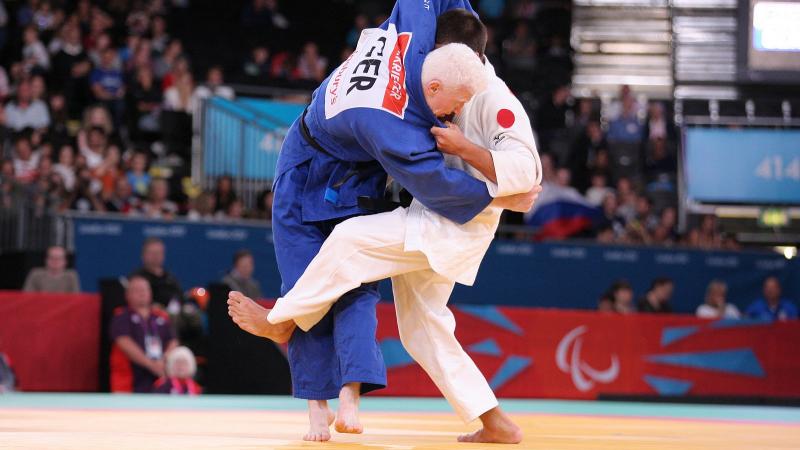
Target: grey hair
(456, 66)
(179, 353)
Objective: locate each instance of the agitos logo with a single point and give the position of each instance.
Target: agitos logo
(584, 376)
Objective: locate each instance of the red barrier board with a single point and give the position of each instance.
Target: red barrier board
(573, 354)
(51, 339)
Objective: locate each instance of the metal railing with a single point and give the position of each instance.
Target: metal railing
(24, 228)
(240, 140)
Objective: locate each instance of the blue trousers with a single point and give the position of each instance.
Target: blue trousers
(342, 347)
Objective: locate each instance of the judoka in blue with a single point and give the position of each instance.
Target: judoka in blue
(367, 119)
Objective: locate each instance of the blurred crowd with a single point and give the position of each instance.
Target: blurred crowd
(771, 306)
(98, 100)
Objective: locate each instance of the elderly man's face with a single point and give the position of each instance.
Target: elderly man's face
(138, 294)
(56, 259)
(445, 102)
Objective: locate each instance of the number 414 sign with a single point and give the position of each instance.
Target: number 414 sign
(774, 168)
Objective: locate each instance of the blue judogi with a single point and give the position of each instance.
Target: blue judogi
(370, 117)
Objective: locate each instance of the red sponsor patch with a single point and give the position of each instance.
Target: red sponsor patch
(505, 118)
(395, 98)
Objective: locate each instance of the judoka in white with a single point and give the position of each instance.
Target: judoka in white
(424, 253)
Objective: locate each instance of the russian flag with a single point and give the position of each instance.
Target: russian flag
(561, 212)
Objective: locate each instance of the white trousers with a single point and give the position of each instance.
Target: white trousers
(371, 248)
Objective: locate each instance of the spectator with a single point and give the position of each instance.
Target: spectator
(8, 380)
(621, 294)
(213, 87)
(264, 206)
(108, 86)
(180, 369)
(520, 48)
(657, 298)
(159, 39)
(257, 66)
(310, 65)
(158, 205)
(360, 23)
(26, 160)
(204, 207)
(179, 96)
(66, 166)
(599, 189)
(109, 170)
(84, 198)
(235, 210)
(138, 176)
(240, 278)
(141, 335)
(605, 304)
(666, 232)
(54, 276)
(626, 128)
(26, 112)
(34, 53)
(584, 152)
(92, 145)
(122, 199)
(616, 107)
(551, 116)
(224, 194)
(165, 287)
(715, 306)
(771, 306)
(145, 101)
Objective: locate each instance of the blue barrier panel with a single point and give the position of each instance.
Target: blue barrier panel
(243, 138)
(742, 166)
(562, 275)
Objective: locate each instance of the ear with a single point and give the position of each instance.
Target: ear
(434, 86)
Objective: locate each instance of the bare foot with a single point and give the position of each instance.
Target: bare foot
(347, 418)
(320, 418)
(497, 428)
(252, 317)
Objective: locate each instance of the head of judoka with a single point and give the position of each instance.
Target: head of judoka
(451, 75)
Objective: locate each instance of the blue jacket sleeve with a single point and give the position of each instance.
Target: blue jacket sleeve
(451, 193)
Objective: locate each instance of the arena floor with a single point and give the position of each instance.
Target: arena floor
(95, 421)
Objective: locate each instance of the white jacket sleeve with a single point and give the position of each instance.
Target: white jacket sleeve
(507, 129)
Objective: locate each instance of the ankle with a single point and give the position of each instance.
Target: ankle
(316, 405)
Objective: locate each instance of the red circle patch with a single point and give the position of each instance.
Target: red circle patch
(505, 118)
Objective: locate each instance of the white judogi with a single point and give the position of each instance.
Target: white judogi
(425, 254)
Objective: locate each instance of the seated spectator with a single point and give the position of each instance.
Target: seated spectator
(616, 107)
(621, 293)
(84, 198)
(65, 166)
(25, 112)
(165, 288)
(659, 160)
(310, 65)
(599, 189)
(145, 100)
(108, 85)
(54, 276)
(92, 145)
(771, 306)
(109, 171)
(178, 97)
(141, 335)
(235, 210)
(203, 208)
(605, 304)
(181, 367)
(138, 176)
(158, 205)
(122, 199)
(34, 53)
(257, 66)
(26, 160)
(626, 127)
(214, 86)
(583, 154)
(657, 298)
(264, 206)
(715, 306)
(240, 278)
(666, 232)
(8, 380)
(224, 194)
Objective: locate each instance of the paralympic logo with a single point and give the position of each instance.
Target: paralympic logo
(584, 376)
